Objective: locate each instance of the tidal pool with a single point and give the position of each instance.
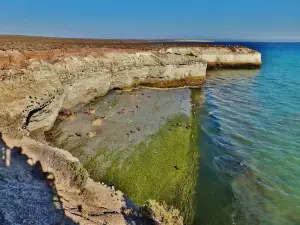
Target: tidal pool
(143, 142)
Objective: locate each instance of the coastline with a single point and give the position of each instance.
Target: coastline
(57, 77)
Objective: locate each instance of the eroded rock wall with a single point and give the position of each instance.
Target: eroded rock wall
(226, 57)
(32, 97)
(33, 94)
(83, 200)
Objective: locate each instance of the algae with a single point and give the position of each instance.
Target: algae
(146, 147)
(162, 168)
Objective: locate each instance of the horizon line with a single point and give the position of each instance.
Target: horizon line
(207, 40)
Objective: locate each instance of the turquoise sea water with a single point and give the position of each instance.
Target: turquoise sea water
(250, 142)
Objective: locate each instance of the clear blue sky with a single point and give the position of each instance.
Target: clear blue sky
(210, 19)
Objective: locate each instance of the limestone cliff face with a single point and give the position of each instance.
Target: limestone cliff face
(228, 57)
(34, 95)
(35, 87)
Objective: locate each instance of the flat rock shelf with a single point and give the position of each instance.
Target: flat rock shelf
(142, 142)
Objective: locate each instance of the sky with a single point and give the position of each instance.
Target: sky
(255, 20)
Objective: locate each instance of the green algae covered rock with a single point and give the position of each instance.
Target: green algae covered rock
(161, 213)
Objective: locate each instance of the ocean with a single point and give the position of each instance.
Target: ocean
(249, 141)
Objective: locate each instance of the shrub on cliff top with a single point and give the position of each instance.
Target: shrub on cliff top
(161, 213)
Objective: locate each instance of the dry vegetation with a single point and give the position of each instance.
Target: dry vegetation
(32, 43)
(161, 213)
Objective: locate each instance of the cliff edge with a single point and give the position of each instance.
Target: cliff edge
(42, 76)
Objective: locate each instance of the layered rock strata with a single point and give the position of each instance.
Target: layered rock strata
(32, 97)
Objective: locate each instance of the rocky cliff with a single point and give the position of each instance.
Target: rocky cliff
(221, 57)
(33, 91)
(38, 82)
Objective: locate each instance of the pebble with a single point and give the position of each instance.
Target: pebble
(92, 110)
(91, 134)
(97, 122)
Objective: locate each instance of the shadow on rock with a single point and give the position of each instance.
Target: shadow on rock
(133, 215)
(28, 195)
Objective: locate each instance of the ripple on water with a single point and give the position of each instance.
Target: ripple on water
(228, 164)
(251, 124)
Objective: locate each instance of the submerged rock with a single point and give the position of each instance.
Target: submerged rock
(91, 134)
(92, 110)
(67, 115)
(97, 122)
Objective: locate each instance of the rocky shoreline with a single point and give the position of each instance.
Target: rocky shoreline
(40, 77)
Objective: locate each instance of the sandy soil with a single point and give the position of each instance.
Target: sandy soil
(31, 43)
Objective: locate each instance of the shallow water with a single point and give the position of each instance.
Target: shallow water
(250, 142)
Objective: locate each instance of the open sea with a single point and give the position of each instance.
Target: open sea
(249, 141)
